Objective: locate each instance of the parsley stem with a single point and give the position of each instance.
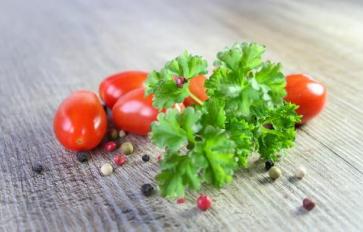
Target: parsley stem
(195, 98)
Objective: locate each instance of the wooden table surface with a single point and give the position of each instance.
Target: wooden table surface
(50, 48)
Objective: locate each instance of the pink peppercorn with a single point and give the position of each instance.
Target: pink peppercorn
(180, 200)
(308, 204)
(179, 81)
(204, 202)
(120, 159)
(110, 146)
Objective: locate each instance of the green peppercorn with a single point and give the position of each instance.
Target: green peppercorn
(127, 148)
(113, 134)
(274, 173)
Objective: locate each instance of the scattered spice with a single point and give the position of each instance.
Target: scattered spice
(113, 134)
(274, 173)
(308, 204)
(300, 172)
(145, 158)
(147, 189)
(180, 200)
(121, 134)
(204, 202)
(106, 169)
(82, 157)
(179, 81)
(159, 158)
(37, 168)
(110, 146)
(269, 164)
(120, 159)
(127, 148)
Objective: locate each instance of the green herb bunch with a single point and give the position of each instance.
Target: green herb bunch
(245, 113)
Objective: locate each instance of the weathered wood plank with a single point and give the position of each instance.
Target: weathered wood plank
(49, 48)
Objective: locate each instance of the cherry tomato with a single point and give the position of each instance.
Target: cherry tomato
(196, 87)
(307, 93)
(80, 122)
(134, 112)
(113, 87)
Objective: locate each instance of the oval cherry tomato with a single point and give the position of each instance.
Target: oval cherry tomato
(80, 122)
(307, 93)
(113, 87)
(196, 87)
(134, 112)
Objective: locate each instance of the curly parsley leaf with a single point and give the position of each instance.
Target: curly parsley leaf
(272, 83)
(213, 113)
(215, 155)
(177, 173)
(187, 65)
(241, 57)
(174, 130)
(242, 133)
(282, 133)
(162, 84)
(246, 84)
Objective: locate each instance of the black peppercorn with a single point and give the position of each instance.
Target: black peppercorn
(82, 157)
(269, 164)
(38, 168)
(145, 158)
(147, 189)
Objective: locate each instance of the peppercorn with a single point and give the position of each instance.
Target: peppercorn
(37, 168)
(179, 81)
(274, 173)
(119, 159)
(145, 158)
(82, 157)
(300, 172)
(113, 134)
(121, 134)
(269, 164)
(110, 146)
(180, 200)
(127, 148)
(308, 204)
(204, 202)
(106, 169)
(147, 189)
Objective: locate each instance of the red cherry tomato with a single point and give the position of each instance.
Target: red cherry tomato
(80, 122)
(113, 87)
(134, 112)
(307, 93)
(196, 87)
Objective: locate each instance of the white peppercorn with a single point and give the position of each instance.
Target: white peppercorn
(106, 169)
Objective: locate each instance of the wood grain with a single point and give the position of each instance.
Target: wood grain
(50, 48)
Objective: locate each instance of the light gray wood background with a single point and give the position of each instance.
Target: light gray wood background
(50, 48)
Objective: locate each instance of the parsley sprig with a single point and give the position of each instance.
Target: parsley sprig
(245, 113)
